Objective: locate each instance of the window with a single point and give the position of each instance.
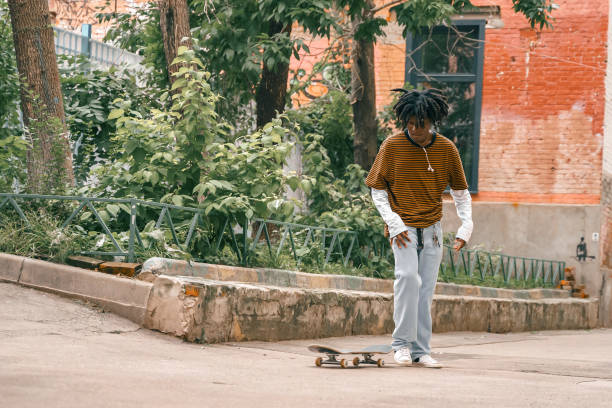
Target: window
(451, 59)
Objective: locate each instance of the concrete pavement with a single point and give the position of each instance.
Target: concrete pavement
(57, 352)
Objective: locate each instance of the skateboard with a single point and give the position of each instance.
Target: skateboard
(333, 353)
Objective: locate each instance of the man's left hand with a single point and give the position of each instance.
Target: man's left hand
(459, 243)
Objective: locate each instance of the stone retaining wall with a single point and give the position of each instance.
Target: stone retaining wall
(276, 277)
(202, 310)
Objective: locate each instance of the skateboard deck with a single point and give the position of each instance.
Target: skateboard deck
(332, 354)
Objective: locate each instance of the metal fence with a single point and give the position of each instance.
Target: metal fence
(484, 264)
(247, 237)
(181, 223)
(71, 43)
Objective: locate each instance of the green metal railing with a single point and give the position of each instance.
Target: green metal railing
(335, 244)
(484, 264)
(297, 240)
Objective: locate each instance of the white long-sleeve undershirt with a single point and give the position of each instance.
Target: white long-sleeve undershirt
(463, 204)
(393, 220)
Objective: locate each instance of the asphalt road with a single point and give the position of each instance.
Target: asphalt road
(56, 352)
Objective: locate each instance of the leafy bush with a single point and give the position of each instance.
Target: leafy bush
(246, 178)
(90, 94)
(180, 155)
(159, 155)
(338, 201)
(330, 117)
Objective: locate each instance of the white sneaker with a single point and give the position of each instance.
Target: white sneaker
(427, 361)
(402, 356)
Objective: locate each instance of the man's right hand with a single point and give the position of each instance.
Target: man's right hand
(402, 239)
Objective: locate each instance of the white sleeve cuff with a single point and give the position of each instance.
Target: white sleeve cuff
(393, 220)
(463, 203)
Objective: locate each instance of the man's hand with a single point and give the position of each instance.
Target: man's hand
(402, 239)
(459, 243)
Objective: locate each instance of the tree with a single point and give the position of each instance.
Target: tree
(245, 44)
(49, 160)
(412, 15)
(363, 93)
(271, 92)
(248, 45)
(175, 31)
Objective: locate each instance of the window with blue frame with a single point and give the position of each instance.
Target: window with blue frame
(451, 59)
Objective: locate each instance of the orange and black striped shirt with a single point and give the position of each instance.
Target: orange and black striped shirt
(415, 193)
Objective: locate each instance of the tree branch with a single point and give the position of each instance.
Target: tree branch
(384, 6)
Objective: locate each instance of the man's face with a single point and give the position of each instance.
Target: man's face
(418, 133)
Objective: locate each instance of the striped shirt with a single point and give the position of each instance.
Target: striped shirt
(415, 193)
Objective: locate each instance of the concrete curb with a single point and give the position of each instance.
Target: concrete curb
(125, 297)
(10, 267)
(276, 277)
(202, 310)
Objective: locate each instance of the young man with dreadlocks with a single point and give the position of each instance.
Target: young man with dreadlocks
(411, 171)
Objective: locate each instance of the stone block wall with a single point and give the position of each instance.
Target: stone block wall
(202, 310)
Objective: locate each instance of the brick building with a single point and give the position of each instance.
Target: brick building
(71, 14)
(530, 115)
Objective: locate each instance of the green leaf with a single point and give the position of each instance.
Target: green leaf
(307, 186)
(154, 178)
(139, 154)
(113, 209)
(177, 200)
(294, 183)
(179, 83)
(104, 216)
(115, 113)
(125, 208)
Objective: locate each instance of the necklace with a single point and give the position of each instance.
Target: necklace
(433, 139)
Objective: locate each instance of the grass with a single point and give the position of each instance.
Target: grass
(42, 238)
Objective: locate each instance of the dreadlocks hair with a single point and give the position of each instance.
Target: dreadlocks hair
(428, 104)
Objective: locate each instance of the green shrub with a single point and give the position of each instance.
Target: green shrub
(330, 117)
(339, 201)
(90, 94)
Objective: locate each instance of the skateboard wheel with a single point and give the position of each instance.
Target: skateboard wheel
(380, 362)
(319, 361)
(356, 361)
(343, 363)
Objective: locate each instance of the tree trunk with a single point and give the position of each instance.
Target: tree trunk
(174, 24)
(363, 101)
(49, 159)
(271, 92)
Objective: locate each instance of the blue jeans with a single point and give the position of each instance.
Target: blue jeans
(416, 273)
